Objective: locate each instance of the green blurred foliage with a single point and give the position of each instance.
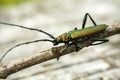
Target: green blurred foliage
(11, 3)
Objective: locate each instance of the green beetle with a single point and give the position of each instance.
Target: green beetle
(69, 37)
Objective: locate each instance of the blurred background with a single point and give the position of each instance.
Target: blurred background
(101, 62)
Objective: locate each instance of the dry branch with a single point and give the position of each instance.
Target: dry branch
(52, 53)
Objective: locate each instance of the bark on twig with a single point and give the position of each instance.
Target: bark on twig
(52, 53)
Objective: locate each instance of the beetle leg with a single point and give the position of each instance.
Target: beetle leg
(97, 39)
(66, 45)
(76, 45)
(85, 19)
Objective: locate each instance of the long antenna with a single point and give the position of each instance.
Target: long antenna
(51, 36)
(23, 44)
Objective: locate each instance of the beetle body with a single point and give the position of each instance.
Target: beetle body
(79, 33)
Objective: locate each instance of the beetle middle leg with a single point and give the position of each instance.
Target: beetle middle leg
(75, 42)
(66, 44)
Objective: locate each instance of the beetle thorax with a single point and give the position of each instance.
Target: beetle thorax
(63, 38)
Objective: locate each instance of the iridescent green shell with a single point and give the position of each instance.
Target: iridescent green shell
(79, 33)
(87, 31)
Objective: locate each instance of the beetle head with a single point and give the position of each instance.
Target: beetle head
(56, 41)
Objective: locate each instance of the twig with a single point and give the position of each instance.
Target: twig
(52, 53)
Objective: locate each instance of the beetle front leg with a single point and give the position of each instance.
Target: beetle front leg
(66, 45)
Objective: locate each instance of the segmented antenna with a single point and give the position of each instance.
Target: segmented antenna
(23, 44)
(34, 29)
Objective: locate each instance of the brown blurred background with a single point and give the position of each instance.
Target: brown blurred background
(101, 62)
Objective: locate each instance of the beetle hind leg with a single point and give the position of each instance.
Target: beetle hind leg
(97, 39)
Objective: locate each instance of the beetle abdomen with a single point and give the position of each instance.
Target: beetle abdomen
(87, 31)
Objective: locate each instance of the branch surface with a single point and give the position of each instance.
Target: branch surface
(52, 53)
